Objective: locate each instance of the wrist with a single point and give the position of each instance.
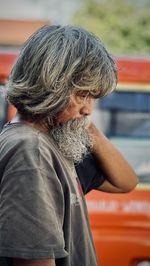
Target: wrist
(98, 138)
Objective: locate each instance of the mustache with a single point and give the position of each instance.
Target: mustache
(80, 122)
(76, 124)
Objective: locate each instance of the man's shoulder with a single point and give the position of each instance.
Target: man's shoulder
(20, 134)
(20, 140)
(17, 132)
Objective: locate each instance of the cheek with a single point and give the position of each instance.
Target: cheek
(69, 113)
(72, 111)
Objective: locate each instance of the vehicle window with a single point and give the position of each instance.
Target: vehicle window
(137, 152)
(128, 127)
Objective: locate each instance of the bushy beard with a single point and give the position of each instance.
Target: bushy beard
(73, 139)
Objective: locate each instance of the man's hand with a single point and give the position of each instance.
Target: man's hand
(120, 177)
(41, 262)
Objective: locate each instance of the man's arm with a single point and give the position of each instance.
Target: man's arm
(43, 262)
(120, 177)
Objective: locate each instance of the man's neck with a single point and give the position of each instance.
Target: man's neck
(36, 124)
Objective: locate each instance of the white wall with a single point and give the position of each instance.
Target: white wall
(58, 11)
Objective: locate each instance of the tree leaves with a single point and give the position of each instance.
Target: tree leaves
(124, 26)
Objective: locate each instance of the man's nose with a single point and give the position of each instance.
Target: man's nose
(87, 107)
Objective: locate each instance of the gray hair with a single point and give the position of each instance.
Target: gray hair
(55, 62)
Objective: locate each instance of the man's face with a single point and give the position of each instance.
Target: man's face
(70, 132)
(80, 105)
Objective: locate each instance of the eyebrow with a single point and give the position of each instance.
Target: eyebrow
(89, 94)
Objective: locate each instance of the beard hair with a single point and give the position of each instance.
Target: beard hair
(73, 139)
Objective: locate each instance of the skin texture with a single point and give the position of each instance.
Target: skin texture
(120, 175)
(80, 106)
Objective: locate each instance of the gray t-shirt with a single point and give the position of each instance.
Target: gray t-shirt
(42, 207)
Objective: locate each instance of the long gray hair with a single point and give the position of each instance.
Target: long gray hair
(55, 62)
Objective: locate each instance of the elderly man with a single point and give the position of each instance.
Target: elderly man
(52, 154)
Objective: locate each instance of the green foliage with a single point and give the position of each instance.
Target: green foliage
(124, 26)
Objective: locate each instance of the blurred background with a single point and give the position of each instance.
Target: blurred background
(123, 25)
(124, 116)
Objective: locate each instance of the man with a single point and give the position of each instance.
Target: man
(54, 83)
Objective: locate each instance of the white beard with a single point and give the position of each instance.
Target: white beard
(73, 139)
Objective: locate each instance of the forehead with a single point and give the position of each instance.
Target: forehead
(89, 93)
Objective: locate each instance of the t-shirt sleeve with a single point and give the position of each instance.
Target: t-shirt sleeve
(32, 208)
(89, 174)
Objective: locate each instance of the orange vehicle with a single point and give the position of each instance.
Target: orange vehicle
(120, 222)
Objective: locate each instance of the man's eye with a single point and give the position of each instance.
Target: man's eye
(83, 95)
